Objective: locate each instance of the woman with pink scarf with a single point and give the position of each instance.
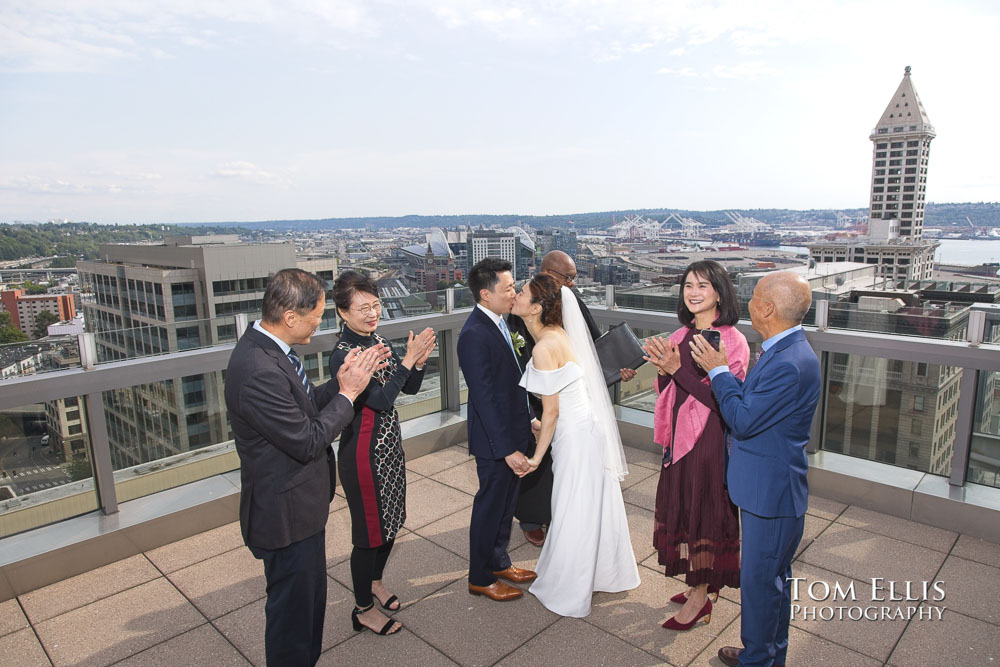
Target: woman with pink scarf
(696, 526)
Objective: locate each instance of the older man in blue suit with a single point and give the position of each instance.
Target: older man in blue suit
(769, 416)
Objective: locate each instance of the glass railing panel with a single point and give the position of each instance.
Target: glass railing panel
(463, 298)
(167, 433)
(984, 452)
(45, 469)
(39, 356)
(162, 338)
(946, 322)
(593, 295)
(902, 413)
(428, 398)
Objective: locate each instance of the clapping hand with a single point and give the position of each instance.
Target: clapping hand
(665, 355)
(419, 348)
(356, 371)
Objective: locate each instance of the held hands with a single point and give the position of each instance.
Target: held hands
(356, 371)
(707, 356)
(419, 348)
(663, 354)
(519, 463)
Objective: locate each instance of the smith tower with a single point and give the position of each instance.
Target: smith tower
(901, 144)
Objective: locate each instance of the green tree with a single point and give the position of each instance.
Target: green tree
(8, 332)
(78, 468)
(42, 322)
(64, 263)
(33, 288)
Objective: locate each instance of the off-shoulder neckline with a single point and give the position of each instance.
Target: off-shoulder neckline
(554, 370)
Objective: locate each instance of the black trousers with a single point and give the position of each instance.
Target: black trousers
(367, 565)
(296, 601)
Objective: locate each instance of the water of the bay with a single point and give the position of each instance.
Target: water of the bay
(971, 252)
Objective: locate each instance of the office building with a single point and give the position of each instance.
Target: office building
(548, 240)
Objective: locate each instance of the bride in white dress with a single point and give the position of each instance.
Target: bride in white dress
(587, 547)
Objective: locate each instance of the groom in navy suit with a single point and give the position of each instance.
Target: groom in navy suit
(500, 429)
(769, 416)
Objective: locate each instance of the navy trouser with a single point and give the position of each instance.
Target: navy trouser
(492, 516)
(768, 549)
(296, 601)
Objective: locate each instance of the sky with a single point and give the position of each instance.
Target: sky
(152, 111)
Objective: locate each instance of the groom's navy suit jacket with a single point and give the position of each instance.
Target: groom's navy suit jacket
(498, 415)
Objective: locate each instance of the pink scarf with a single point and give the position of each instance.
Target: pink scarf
(693, 414)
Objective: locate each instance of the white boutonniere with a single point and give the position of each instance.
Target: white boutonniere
(518, 341)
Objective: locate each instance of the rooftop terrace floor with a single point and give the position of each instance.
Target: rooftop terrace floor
(200, 601)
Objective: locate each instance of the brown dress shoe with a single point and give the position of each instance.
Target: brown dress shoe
(730, 655)
(499, 590)
(536, 536)
(517, 575)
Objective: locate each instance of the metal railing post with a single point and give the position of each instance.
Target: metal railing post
(823, 315)
(968, 389)
(609, 297)
(100, 453)
(241, 324)
(451, 393)
(88, 351)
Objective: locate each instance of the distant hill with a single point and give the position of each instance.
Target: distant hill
(982, 214)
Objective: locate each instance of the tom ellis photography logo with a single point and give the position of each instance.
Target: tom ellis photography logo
(888, 600)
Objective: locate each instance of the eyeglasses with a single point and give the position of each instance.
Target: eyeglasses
(367, 309)
(567, 277)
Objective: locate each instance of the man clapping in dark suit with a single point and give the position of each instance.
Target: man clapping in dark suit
(283, 427)
(769, 416)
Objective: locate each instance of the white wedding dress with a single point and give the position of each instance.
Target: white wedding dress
(588, 547)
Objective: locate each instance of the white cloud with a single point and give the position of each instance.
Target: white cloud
(248, 171)
(677, 71)
(746, 70)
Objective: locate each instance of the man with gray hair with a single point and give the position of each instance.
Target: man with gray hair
(283, 427)
(769, 416)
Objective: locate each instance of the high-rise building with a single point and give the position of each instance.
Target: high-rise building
(548, 240)
(184, 294)
(901, 146)
(513, 245)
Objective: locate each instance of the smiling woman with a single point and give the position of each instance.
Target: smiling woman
(370, 458)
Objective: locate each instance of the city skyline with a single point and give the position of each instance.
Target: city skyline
(181, 112)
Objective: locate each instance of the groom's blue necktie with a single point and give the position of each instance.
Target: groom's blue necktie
(510, 342)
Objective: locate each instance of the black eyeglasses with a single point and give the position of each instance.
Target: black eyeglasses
(568, 278)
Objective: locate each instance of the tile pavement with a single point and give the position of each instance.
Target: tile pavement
(200, 601)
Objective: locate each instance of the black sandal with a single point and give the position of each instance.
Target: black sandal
(387, 605)
(359, 626)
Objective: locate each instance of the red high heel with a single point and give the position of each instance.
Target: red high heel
(706, 613)
(681, 598)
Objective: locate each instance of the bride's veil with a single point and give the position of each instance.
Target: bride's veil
(612, 453)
